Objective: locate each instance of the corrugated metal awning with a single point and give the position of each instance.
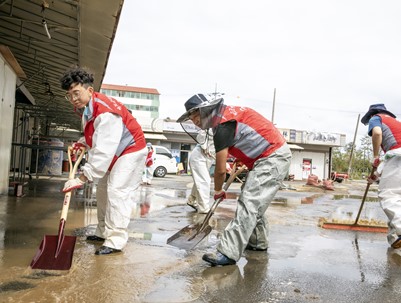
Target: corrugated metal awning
(42, 39)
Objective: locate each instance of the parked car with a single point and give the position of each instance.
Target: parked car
(164, 162)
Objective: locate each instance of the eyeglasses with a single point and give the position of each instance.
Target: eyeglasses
(74, 96)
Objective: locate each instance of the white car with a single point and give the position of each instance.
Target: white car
(163, 161)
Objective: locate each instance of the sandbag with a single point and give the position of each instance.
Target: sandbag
(328, 184)
(313, 180)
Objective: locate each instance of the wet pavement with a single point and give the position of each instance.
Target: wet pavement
(304, 262)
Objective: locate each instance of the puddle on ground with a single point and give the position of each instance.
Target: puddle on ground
(40, 274)
(294, 201)
(171, 289)
(347, 208)
(356, 197)
(320, 254)
(166, 193)
(307, 200)
(149, 266)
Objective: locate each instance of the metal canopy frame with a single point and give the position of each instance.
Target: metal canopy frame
(47, 37)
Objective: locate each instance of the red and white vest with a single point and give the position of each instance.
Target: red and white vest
(255, 136)
(391, 132)
(132, 138)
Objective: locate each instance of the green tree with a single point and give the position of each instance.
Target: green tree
(361, 160)
(339, 160)
(366, 147)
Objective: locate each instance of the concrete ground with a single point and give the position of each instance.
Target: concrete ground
(304, 262)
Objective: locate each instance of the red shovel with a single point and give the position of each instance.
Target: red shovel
(55, 252)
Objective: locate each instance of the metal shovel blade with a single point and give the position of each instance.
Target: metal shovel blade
(188, 237)
(54, 255)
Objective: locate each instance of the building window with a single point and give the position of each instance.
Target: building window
(127, 94)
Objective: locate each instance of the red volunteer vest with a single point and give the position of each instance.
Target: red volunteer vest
(132, 139)
(391, 130)
(255, 136)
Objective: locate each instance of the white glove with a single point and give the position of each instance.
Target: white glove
(73, 184)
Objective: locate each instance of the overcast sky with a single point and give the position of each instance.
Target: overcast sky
(328, 60)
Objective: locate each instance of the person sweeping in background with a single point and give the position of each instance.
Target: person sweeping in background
(149, 169)
(200, 161)
(385, 131)
(117, 151)
(251, 138)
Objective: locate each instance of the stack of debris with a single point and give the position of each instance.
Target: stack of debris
(313, 180)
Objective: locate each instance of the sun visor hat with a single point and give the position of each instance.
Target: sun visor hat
(192, 105)
(375, 109)
(210, 110)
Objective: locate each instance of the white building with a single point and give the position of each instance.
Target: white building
(143, 102)
(311, 151)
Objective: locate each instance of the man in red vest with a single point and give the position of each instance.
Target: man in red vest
(117, 152)
(385, 131)
(251, 138)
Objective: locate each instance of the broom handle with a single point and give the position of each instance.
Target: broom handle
(73, 171)
(364, 196)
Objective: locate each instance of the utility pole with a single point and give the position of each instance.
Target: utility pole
(274, 104)
(353, 146)
(216, 92)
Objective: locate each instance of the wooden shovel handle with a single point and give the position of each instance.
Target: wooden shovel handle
(233, 175)
(73, 171)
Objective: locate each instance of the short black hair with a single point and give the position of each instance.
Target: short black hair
(76, 75)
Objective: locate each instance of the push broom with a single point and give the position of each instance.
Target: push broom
(369, 227)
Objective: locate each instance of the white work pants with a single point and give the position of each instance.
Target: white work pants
(250, 224)
(148, 174)
(114, 200)
(200, 168)
(390, 195)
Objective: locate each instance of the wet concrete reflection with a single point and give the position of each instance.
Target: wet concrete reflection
(307, 200)
(348, 208)
(294, 199)
(15, 286)
(175, 289)
(304, 263)
(357, 197)
(358, 257)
